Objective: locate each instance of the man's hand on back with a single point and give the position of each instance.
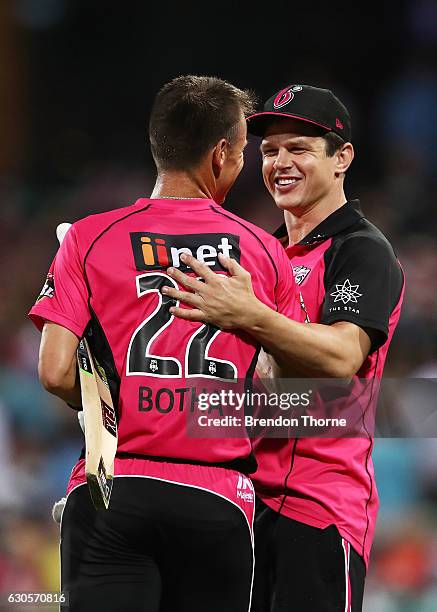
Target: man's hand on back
(225, 301)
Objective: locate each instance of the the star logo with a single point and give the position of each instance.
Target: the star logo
(346, 292)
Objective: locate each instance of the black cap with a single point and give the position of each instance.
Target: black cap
(305, 103)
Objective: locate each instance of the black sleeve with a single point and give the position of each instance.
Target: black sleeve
(363, 283)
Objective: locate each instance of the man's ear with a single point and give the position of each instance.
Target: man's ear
(219, 156)
(344, 157)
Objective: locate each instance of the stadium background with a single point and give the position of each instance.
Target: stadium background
(77, 80)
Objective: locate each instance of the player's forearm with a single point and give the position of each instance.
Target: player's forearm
(300, 349)
(57, 369)
(70, 395)
(62, 383)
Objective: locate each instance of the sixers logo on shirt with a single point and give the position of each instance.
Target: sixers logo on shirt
(159, 251)
(300, 273)
(285, 96)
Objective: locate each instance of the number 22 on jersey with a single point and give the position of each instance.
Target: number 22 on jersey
(197, 362)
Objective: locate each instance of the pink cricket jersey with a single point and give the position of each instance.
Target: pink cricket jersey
(346, 270)
(105, 281)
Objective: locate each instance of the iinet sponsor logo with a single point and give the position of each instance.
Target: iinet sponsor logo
(159, 251)
(244, 489)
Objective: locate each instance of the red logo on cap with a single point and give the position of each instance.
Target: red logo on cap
(338, 123)
(284, 97)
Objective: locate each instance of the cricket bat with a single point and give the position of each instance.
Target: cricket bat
(100, 419)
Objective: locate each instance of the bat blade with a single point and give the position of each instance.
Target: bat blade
(100, 487)
(100, 427)
(100, 419)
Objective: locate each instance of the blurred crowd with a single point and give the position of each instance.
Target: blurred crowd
(395, 177)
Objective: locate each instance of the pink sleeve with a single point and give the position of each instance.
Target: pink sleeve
(64, 296)
(287, 296)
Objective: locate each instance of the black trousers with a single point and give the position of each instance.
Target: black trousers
(160, 547)
(299, 568)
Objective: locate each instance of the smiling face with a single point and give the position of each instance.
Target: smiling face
(296, 169)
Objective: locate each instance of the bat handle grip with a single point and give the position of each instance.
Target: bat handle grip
(61, 231)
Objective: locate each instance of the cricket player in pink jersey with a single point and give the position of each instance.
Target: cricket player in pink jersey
(317, 495)
(178, 532)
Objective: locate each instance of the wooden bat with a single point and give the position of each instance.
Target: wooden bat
(100, 419)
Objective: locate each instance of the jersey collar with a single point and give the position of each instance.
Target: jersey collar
(178, 204)
(336, 222)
